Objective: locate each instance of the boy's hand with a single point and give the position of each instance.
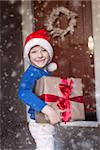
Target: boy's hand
(51, 114)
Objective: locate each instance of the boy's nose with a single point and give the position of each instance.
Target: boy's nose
(40, 54)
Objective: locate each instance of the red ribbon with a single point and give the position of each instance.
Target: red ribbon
(64, 103)
(53, 98)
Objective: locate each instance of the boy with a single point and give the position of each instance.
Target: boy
(38, 52)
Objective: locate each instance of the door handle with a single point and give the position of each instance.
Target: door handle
(91, 45)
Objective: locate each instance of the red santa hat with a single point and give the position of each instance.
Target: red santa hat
(40, 38)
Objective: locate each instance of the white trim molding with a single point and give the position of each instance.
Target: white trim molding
(27, 28)
(80, 124)
(96, 36)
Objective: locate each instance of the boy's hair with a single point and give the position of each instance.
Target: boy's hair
(39, 38)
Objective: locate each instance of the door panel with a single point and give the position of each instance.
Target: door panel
(72, 55)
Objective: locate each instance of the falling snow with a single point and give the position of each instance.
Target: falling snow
(13, 74)
(18, 135)
(11, 108)
(12, 1)
(15, 132)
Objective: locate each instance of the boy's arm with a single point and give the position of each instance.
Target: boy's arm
(26, 95)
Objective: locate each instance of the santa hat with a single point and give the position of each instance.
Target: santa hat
(40, 38)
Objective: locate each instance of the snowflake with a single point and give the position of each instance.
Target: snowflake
(18, 135)
(12, 1)
(13, 74)
(11, 108)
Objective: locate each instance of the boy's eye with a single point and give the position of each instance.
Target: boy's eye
(44, 50)
(33, 52)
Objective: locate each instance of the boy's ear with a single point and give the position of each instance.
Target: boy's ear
(51, 67)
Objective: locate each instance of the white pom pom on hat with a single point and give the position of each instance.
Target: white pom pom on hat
(51, 67)
(40, 38)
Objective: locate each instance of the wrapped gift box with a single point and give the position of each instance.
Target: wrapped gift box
(64, 95)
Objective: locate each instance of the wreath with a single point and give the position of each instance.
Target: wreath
(56, 31)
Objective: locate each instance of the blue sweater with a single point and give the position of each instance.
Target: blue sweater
(26, 88)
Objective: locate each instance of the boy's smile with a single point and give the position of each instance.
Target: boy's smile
(39, 56)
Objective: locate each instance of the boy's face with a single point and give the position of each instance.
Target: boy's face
(39, 56)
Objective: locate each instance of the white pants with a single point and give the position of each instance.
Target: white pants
(43, 135)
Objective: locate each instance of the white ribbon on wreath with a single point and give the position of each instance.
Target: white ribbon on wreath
(56, 31)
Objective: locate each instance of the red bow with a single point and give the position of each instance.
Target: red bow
(64, 103)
